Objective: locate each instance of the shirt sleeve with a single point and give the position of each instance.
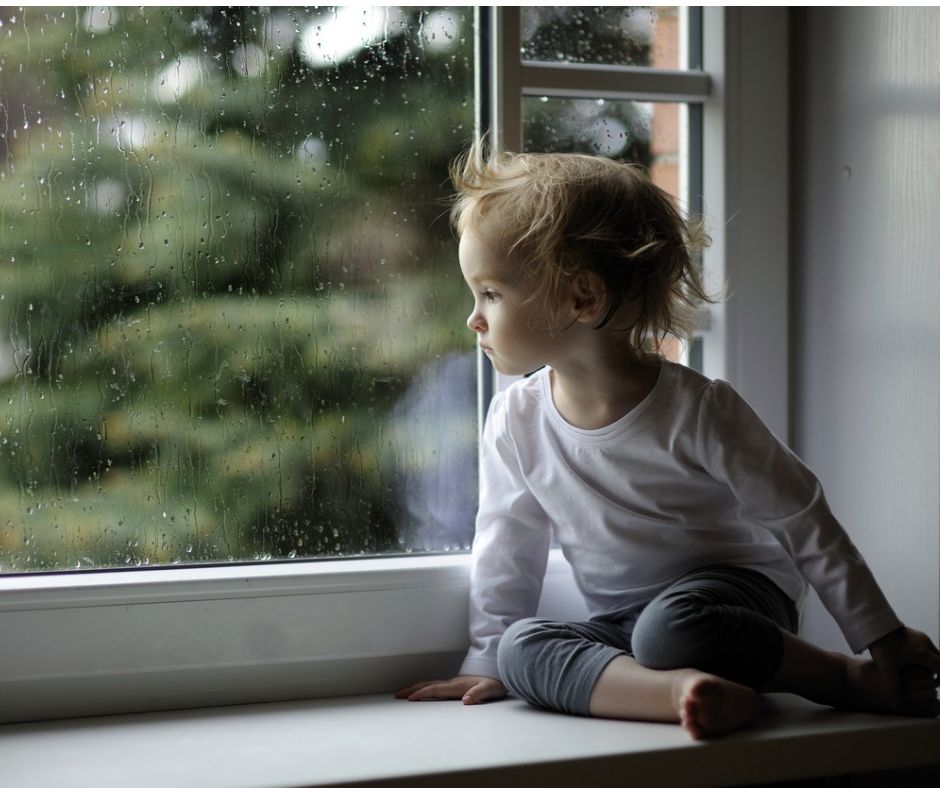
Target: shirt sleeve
(510, 546)
(776, 491)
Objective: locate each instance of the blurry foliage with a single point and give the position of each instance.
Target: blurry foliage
(221, 265)
(608, 35)
(620, 129)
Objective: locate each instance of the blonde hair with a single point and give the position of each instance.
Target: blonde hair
(558, 215)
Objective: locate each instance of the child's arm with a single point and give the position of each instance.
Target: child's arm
(510, 551)
(775, 490)
(910, 664)
(469, 689)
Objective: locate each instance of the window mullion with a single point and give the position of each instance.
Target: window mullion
(575, 80)
(506, 92)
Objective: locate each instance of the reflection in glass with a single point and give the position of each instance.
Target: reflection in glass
(609, 35)
(223, 265)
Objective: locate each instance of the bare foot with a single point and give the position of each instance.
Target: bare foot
(866, 689)
(709, 706)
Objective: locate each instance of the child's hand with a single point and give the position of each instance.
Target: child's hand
(469, 689)
(909, 663)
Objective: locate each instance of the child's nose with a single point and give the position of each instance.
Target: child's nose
(475, 322)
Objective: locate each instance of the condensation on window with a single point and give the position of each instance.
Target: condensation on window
(610, 35)
(230, 311)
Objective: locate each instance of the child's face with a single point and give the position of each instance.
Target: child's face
(512, 330)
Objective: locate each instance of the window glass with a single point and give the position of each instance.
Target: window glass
(648, 133)
(231, 319)
(610, 35)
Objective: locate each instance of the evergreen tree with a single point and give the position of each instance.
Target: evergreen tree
(223, 260)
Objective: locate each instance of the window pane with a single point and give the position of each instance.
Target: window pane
(230, 311)
(652, 134)
(611, 35)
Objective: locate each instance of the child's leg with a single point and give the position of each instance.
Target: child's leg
(555, 664)
(702, 649)
(735, 624)
(705, 705)
(834, 679)
(583, 668)
(724, 621)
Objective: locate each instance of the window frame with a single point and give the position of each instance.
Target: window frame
(160, 638)
(746, 199)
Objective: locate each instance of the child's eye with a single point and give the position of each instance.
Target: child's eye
(491, 296)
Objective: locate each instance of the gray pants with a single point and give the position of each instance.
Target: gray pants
(722, 620)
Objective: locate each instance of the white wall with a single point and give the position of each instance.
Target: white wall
(866, 289)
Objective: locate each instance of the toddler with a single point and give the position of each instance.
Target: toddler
(691, 530)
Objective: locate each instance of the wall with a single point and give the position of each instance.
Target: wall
(866, 289)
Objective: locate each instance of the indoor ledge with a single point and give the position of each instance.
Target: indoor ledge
(376, 740)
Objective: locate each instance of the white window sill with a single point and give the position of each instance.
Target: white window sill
(105, 643)
(370, 740)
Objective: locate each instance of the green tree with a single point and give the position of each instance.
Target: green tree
(222, 261)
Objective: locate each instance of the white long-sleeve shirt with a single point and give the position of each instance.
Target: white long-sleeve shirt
(690, 477)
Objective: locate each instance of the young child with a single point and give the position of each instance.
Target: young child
(689, 527)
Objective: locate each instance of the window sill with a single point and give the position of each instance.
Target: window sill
(159, 584)
(111, 643)
(372, 740)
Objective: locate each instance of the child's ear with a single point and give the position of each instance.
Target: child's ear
(589, 296)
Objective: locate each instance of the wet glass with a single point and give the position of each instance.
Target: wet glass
(654, 134)
(231, 319)
(609, 35)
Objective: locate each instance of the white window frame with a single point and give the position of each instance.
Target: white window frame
(105, 642)
(746, 203)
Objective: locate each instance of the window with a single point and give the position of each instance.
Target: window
(229, 310)
(90, 642)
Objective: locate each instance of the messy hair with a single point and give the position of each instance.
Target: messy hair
(557, 215)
